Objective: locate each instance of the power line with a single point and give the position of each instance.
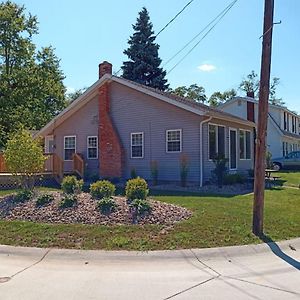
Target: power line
(171, 21)
(217, 19)
(174, 18)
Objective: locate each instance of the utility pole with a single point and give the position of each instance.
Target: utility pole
(264, 89)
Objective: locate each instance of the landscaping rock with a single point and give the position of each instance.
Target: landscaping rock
(85, 211)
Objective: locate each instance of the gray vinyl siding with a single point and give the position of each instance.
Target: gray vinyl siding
(133, 111)
(82, 124)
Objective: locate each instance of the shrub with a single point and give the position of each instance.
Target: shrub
(136, 189)
(23, 195)
(234, 178)
(251, 173)
(71, 185)
(154, 171)
(107, 205)
(269, 163)
(220, 168)
(68, 201)
(184, 169)
(140, 207)
(44, 199)
(102, 189)
(133, 173)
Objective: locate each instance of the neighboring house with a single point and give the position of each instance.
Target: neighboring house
(283, 134)
(118, 125)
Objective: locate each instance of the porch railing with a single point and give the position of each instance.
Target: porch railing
(78, 164)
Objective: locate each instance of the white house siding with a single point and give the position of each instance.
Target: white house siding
(82, 124)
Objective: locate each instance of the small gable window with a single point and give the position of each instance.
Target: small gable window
(92, 147)
(137, 145)
(173, 140)
(69, 147)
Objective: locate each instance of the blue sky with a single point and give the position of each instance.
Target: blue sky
(85, 33)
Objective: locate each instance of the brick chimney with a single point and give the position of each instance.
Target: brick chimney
(105, 68)
(250, 94)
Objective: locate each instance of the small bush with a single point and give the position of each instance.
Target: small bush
(140, 207)
(234, 178)
(133, 173)
(44, 199)
(23, 195)
(251, 173)
(102, 189)
(71, 185)
(68, 201)
(220, 169)
(136, 189)
(107, 205)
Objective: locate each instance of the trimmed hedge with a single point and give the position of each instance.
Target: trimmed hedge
(102, 189)
(136, 188)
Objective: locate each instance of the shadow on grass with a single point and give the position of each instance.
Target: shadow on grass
(279, 253)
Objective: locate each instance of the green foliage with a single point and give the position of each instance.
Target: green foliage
(29, 78)
(136, 189)
(194, 92)
(220, 168)
(143, 64)
(23, 195)
(133, 173)
(107, 205)
(218, 98)
(269, 163)
(184, 169)
(44, 199)
(102, 189)
(230, 179)
(71, 185)
(24, 156)
(68, 200)
(154, 171)
(139, 207)
(70, 97)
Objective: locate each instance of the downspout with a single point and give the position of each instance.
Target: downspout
(201, 149)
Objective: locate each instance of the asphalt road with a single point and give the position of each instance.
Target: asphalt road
(244, 272)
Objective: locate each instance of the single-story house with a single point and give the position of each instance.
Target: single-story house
(117, 125)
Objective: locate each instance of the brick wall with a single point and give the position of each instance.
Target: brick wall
(110, 148)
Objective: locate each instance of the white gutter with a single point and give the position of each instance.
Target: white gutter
(201, 149)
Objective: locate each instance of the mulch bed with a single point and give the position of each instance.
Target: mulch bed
(86, 212)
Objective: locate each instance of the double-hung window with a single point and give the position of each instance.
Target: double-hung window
(245, 144)
(137, 145)
(216, 140)
(173, 140)
(69, 147)
(92, 147)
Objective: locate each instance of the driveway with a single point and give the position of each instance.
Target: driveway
(243, 272)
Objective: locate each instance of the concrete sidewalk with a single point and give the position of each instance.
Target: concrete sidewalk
(242, 272)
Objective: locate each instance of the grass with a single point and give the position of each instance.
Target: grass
(289, 178)
(216, 221)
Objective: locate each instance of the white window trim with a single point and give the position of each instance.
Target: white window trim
(131, 134)
(245, 145)
(69, 136)
(236, 149)
(169, 130)
(88, 147)
(217, 141)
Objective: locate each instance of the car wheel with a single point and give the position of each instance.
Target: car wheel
(276, 166)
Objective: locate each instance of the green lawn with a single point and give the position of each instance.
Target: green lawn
(290, 178)
(216, 221)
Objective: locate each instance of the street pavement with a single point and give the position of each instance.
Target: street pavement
(266, 271)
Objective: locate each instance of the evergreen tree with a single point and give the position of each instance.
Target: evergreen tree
(143, 64)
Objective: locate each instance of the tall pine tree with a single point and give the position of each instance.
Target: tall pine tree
(143, 64)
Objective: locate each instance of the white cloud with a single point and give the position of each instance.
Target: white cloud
(207, 67)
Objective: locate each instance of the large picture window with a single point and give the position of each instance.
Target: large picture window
(92, 147)
(245, 144)
(216, 140)
(137, 145)
(69, 147)
(173, 140)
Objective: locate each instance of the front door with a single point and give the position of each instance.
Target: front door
(232, 149)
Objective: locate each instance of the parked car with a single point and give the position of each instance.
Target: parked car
(290, 161)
